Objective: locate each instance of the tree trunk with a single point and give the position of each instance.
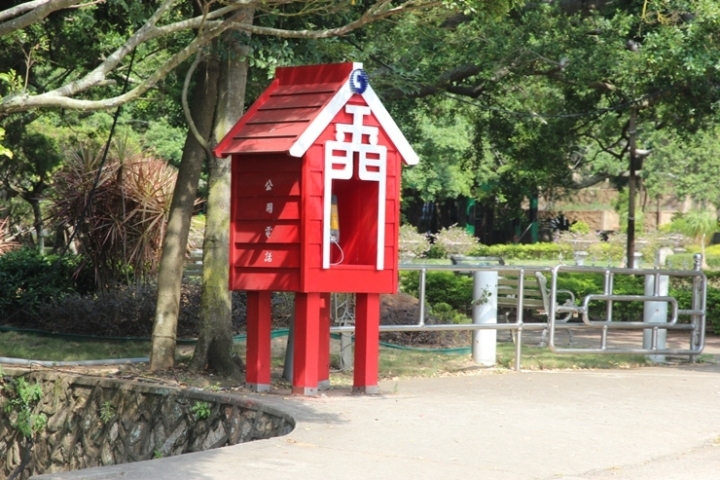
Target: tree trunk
(178, 229)
(214, 348)
(632, 185)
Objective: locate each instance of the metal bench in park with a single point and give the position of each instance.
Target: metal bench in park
(532, 296)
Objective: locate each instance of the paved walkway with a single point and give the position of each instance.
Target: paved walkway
(647, 423)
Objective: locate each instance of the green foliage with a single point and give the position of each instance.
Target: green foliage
(586, 284)
(445, 313)
(580, 228)
(685, 261)
(107, 411)
(165, 141)
(20, 400)
(697, 224)
(537, 251)
(412, 242)
(4, 151)
(455, 240)
(201, 410)
(29, 279)
(442, 138)
(441, 288)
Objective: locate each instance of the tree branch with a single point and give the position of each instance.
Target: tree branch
(210, 27)
(37, 10)
(378, 11)
(589, 181)
(186, 108)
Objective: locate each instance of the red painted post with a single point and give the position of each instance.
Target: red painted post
(257, 354)
(307, 335)
(324, 343)
(367, 335)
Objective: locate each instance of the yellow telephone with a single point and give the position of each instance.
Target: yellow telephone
(334, 221)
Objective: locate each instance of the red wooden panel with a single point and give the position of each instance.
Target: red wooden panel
(350, 279)
(272, 130)
(284, 114)
(314, 183)
(367, 332)
(307, 88)
(266, 163)
(314, 208)
(258, 339)
(254, 184)
(268, 256)
(313, 235)
(309, 74)
(270, 208)
(268, 279)
(265, 232)
(390, 235)
(391, 188)
(259, 145)
(298, 101)
(306, 343)
(223, 148)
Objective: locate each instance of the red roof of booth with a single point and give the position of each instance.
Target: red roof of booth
(297, 106)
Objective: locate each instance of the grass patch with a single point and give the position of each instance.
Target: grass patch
(393, 362)
(536, 358)
(427, 364)
(63, 349)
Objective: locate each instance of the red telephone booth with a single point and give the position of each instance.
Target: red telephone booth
(315, 209)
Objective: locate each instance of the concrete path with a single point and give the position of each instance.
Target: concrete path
(647, 423)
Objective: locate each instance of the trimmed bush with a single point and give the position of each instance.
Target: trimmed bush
(28, 280)
(537, 251)
(441, 287)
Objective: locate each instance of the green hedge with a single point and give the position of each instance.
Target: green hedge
(685, 261)
(28, 279)
(536, 251)
(441, 288)
(548, 251)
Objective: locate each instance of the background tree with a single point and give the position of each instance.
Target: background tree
(550, 87)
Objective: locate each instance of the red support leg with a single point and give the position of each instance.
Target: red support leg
(305, 353)
(324, 343)
(257, 355)
(367, 338)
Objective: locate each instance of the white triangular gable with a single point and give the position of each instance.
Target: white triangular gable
(341, 98)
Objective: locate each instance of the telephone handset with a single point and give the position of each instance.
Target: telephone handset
(335, 228)
(334, 221)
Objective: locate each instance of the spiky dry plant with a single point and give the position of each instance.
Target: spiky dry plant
(7, 240)
(124, 224)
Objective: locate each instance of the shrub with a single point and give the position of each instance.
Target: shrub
(537, 251)
(28, 280)
(125, 223)
(580, 228)
(441, 287)
(411, 242)
(455, 240)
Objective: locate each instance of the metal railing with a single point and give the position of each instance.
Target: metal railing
(696, 314)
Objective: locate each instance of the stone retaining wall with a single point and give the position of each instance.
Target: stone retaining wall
(96, 421)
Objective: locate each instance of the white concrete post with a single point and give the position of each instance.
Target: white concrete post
(484, 345)
(655, 312)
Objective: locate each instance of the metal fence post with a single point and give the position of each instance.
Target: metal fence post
(484, 345)
(654, 338)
